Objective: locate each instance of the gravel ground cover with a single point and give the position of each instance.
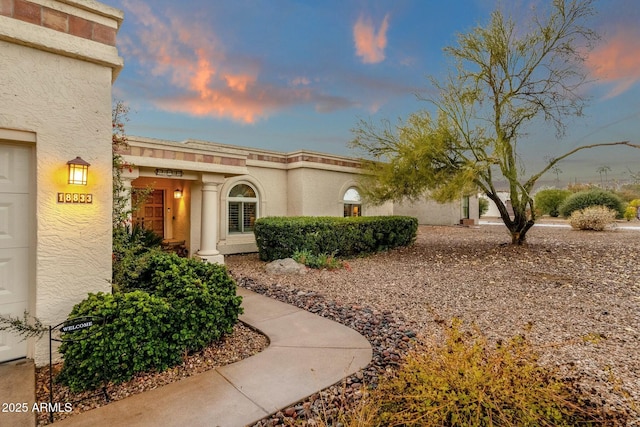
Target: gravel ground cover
(576, 293)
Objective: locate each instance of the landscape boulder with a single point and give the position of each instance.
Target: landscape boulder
(286, 266)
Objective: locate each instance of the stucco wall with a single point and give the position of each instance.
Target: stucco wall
(57, 85)
(320, 193)
(430, 212)
(67, 103)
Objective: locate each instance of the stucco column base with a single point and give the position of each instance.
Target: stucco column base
(215, 259)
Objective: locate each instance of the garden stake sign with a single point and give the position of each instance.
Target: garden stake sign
(72, 330)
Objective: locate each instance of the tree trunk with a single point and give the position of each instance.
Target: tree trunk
(518, 229)
(518, 226)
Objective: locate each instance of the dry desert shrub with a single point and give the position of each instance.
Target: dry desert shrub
(466, 381)
(595, 218)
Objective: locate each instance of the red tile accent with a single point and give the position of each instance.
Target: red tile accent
(80, 27)
(208, 158)
(55, 20)
(27, 12)
(6, 7)
(104, 34)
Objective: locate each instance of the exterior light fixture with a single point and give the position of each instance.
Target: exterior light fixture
(78, 171)
(177, 194)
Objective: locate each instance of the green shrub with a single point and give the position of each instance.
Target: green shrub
(280, 237)
(483, 206)
(465, 381)
(548, 201)
(133, 339)
(129, 249)
(319, 261)
(596, 197)
(174, 305)
(202, 296)
(595, 218)
(630, 213)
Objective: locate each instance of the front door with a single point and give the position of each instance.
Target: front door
(15, 242)
(150, 214)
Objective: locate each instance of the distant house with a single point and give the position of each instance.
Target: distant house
(207, 196)
(493, 209)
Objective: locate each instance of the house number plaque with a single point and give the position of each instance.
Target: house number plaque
(82, 198)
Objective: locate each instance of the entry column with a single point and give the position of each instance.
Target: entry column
(209, 220)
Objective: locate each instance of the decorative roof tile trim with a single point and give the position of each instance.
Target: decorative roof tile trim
(181, 155)
(265, 158)
(43, 16)
(323, 160)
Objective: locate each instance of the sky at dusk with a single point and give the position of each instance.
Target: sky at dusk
(287, 75)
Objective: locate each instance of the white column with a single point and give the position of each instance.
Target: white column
(209, 223)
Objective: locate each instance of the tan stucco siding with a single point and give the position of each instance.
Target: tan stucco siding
(67, 104)
(431, 212)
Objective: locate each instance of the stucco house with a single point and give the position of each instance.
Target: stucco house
(58, 60)
(207, 196)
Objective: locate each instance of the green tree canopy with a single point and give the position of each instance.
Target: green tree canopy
(501, 78)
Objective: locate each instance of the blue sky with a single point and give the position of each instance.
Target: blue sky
(288, 75)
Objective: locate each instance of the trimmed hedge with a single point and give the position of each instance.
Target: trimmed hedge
(174, 306)
(280, 237)
(597, 197)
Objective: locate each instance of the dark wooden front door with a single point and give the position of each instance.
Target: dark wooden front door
(150, 214)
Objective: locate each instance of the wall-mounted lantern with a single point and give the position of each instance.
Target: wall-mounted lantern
(78, 171)
(177, 194)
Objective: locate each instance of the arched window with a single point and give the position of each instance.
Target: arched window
(352, 202)
(243, 208)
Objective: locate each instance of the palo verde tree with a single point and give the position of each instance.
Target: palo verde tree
(501, 78)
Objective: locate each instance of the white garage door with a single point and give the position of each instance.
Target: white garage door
(15, 215)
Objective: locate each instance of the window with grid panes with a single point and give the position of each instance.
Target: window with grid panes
(352, 202)
(243, 209)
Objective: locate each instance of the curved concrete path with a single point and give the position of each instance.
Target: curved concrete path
(307, 353)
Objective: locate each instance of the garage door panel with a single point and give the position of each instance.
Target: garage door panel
(12, 346)
(14, 268)
(14, 168)
(16, 252)
(14, 230)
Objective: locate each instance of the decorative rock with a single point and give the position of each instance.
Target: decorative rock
(385, 331)
(285, 266)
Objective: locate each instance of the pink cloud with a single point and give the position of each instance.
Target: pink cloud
(370, 45)
(207, 82)
(617, 62)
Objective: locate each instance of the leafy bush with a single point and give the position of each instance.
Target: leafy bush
(280, 237)
(129, 249)
(202, 296)
(483, 205)
(631, 212)
(174, 305)
(135, 338)
(585, 199)
(595, 218)
(465, 381)
(319, 261)
(548, 201)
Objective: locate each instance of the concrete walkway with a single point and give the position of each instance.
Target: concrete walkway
(17, 393)
(307, 353)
